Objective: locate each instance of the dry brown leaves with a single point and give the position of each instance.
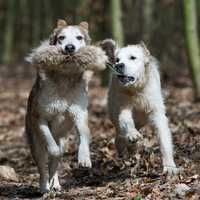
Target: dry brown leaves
(137, 175)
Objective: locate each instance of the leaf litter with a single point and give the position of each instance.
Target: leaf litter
(136, 176)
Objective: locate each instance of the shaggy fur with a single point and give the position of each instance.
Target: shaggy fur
(132, 104)
(49, 57)
(58, 101)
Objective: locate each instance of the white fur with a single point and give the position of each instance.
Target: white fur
(44, 46)
(131, 106)
(70, 33)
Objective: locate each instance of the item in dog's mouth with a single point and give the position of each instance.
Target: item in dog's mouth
(125, 79)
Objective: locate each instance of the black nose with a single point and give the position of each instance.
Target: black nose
(120, 68)
(70, 48)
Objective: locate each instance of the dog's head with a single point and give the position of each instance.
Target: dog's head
(131, 62)
(70, 38)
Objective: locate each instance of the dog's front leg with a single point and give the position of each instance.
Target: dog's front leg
(126, 131)
(127, 125)
(161, 124)
(48, 140)
(81, 125)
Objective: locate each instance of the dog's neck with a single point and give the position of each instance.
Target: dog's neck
(59, 79)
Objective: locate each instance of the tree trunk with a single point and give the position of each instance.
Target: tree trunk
(116, 21)
(36, 22)
(192, 43)
(24, 25)
(81, 8)
(9, 32)
(148, 9)
(48, 18)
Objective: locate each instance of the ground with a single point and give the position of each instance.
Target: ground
(134, 177)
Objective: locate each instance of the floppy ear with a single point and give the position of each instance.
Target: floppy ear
(146, 51)
(84, 25)
(61, 23)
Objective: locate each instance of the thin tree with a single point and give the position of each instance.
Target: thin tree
(116, 21)
(81, 9)
(191, 31)
(24, 25)
(36, 24)
(148, 9)
(9, 31)
(48, 18)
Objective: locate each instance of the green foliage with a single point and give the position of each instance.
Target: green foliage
(137, 197)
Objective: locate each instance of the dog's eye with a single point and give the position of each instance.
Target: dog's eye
(132, 57)
(117, 60)
(79, 37)
(61, 37)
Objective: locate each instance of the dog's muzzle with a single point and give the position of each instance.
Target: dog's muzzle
(119, 67)
(124, 79)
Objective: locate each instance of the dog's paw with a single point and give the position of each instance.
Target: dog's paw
(86, 162)
(54, 184)
(133, 136)
(170, 170)
(44, 188)
(121, 145)
(84, 158)
(54, 151)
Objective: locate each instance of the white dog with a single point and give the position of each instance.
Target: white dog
(134, 97)
(58, 100)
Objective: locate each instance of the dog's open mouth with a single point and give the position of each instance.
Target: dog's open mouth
(125, 79)
(122, 78)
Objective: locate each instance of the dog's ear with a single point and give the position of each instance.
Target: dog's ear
(84, 25)
(109, 46)
(146, 51)
(53, 37)
(61, 23)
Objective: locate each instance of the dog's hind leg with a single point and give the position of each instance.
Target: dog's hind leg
(53, 173)
(44, 145)
(161, 124)
(53, 165)
(41, 158)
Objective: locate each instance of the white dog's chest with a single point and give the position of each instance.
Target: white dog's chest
(141, 110)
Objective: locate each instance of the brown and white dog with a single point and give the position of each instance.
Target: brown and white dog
(58, 100)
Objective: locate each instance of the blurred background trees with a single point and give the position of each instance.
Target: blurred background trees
(192, 39)
(161, 24)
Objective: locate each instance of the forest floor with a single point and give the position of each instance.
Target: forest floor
(134, 177)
